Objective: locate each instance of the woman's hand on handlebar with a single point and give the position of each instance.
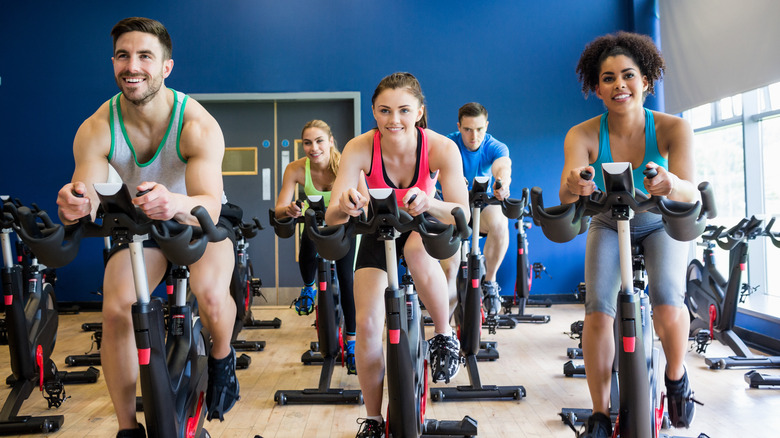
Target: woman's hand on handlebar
(73, 202)
(662, 184)
(352, 203)
(416, 202)
(292, 210)
(578, 185)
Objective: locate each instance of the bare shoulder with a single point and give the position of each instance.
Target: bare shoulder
(584, 135)
(441, 149)
(94, 134)
(359, 150)
(297, 169)
(200, 131)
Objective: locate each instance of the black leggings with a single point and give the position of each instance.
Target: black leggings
(307, 262)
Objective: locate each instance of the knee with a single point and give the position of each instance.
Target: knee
(598, 322)
(450, 266)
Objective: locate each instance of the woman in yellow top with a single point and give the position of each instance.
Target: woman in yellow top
(316, 173)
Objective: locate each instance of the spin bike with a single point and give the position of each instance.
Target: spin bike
(31, 323)
(640, 411)
(244, 286)
(406, 370)
(468, 313)
(525, 273)
(713, 299)
(330, 322)
(754, 378)
(173, 372)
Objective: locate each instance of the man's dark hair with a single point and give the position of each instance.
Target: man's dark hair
(471, 109)
(146, 25)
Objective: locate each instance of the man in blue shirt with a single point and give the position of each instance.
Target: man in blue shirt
(483, 155)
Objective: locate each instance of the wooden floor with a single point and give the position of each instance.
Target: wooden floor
(532, 355)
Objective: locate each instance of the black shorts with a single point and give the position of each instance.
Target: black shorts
(371, 253)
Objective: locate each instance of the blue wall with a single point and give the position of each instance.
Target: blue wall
(515, 57)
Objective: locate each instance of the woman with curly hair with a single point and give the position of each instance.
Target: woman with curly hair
(621, 69)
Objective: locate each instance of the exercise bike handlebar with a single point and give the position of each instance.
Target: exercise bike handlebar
(285, 227)
(747, 228)
(683, 221)
(57, 245)
(480, 197)
(774, 237)
(440, 240)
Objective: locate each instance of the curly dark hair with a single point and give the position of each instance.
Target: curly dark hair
(640, 48)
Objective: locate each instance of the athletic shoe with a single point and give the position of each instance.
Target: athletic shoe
(222, 392)
(349, 357)
(680, 402)
(444, 355)
(491, 299)
(370, 428)
(304, 304)
(138, 432)
(598, 426)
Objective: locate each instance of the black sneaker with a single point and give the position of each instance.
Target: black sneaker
(680, 402)
(138, 432)
(491, 299)
(222, 392)
(598, 426)
(370, 428)
(444, 355)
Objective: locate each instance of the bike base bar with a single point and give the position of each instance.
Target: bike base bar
(270, 324)
(467, 427)
(316, 396)
(539, 319)
(487, 392)
(31, 425)
(241, 345)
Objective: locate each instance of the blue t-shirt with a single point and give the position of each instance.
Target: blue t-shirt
(479, 162)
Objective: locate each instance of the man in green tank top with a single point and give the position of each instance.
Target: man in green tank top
(145, 107)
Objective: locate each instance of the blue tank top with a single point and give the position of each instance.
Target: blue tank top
(651, 152)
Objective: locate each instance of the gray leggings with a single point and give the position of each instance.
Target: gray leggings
(666, 260)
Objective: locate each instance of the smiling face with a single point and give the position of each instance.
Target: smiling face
(139, 66)
(621, 83)
(316, 145)
(396, 111)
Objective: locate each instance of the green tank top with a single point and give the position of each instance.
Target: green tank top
(309, 188)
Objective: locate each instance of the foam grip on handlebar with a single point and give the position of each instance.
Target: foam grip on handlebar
(513, 208)
(681, 221)
(55, 246)
(175, 240)
(442, 241)
(708, 200)
(586, 175)
(283, 228)
(561, 223)
(332, 243)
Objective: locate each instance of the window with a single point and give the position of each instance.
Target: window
(770, 143)
(733, 139)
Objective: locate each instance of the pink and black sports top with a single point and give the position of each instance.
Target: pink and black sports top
(426, 182)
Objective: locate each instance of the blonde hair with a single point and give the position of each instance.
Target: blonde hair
(335, 155)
